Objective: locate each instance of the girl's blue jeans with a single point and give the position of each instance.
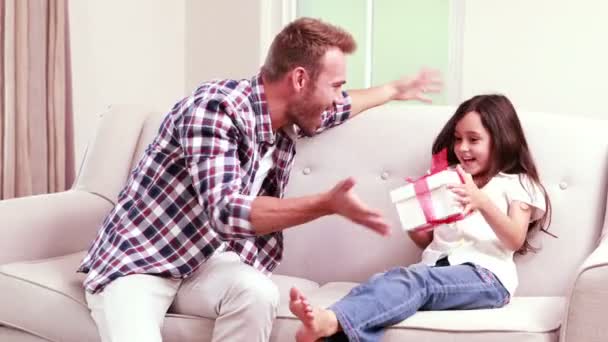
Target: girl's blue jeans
(390, 297)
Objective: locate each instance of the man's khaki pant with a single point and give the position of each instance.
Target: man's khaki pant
(242, 300)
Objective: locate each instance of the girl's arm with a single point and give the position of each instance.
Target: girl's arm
(421, 239)
(511, 229)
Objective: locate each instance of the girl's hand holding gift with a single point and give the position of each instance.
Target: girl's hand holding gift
(468, 194)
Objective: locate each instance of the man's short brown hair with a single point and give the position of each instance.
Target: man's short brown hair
(302, 43)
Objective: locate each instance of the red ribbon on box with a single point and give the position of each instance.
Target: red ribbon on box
(423, 194)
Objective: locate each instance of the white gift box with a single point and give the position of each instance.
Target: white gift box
(427, 202)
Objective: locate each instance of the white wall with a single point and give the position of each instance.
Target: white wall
(222, 40)
(546, 55)
(124, 52)
(154, 52)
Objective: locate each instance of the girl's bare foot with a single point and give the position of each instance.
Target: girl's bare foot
(316, 322)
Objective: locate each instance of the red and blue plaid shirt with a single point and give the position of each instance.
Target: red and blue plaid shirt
(190, 194)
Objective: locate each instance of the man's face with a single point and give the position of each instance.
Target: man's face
(320, 95)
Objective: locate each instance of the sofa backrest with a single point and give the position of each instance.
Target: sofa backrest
(380, 148)
(383, 146)
(122, 132)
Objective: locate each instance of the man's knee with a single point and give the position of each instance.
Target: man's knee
(251, 297)
(256, 290)
(264, 292)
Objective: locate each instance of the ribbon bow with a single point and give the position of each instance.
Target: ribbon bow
(439, 163)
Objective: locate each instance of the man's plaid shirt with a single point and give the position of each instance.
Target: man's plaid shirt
(189, 196)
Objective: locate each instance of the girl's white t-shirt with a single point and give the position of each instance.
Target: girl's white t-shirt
(473, 240)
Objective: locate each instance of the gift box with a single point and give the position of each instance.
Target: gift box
(427, 202)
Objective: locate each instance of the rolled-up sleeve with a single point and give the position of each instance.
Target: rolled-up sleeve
(210, 143)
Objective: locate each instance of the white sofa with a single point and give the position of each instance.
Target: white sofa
(563, 293)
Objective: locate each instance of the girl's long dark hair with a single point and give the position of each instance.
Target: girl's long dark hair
(510, 152)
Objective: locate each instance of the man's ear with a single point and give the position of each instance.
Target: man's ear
(299, 79)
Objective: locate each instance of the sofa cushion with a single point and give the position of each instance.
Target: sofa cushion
(285, 329)
(13, 335)
(40, 296)
(524, 318)
(46, 298)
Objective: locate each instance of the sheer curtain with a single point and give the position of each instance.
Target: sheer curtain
(36, 121)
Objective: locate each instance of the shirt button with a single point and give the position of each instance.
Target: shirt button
(563, 185)
(306, 171)
(384, 175)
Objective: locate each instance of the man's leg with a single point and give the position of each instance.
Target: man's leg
(95, 303)
(242, 300)
(391, 297)
(132, 308)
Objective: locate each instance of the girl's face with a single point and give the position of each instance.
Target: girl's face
(472, 145)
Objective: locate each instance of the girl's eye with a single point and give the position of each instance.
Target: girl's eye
(458, 139)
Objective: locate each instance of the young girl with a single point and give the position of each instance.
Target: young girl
(467, 264)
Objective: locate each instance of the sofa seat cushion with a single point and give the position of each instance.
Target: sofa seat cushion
(45, 298)
(14, 335)
(524, 318)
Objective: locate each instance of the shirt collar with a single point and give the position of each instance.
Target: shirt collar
(291, 131)
(263, 124)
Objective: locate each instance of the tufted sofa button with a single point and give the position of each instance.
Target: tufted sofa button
(563, 185)
(384, 175)
(306, 171)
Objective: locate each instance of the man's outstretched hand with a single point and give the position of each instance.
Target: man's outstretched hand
(416, 87)
(343, 201)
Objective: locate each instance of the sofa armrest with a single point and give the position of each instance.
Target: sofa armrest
(49, 225)
(585, 316)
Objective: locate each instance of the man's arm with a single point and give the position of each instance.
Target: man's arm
(210, 143)
(270, 214)
(405, 88)
(359, 100)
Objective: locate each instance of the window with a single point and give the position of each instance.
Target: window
(395, 38)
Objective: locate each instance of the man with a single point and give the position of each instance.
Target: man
(203, 210)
